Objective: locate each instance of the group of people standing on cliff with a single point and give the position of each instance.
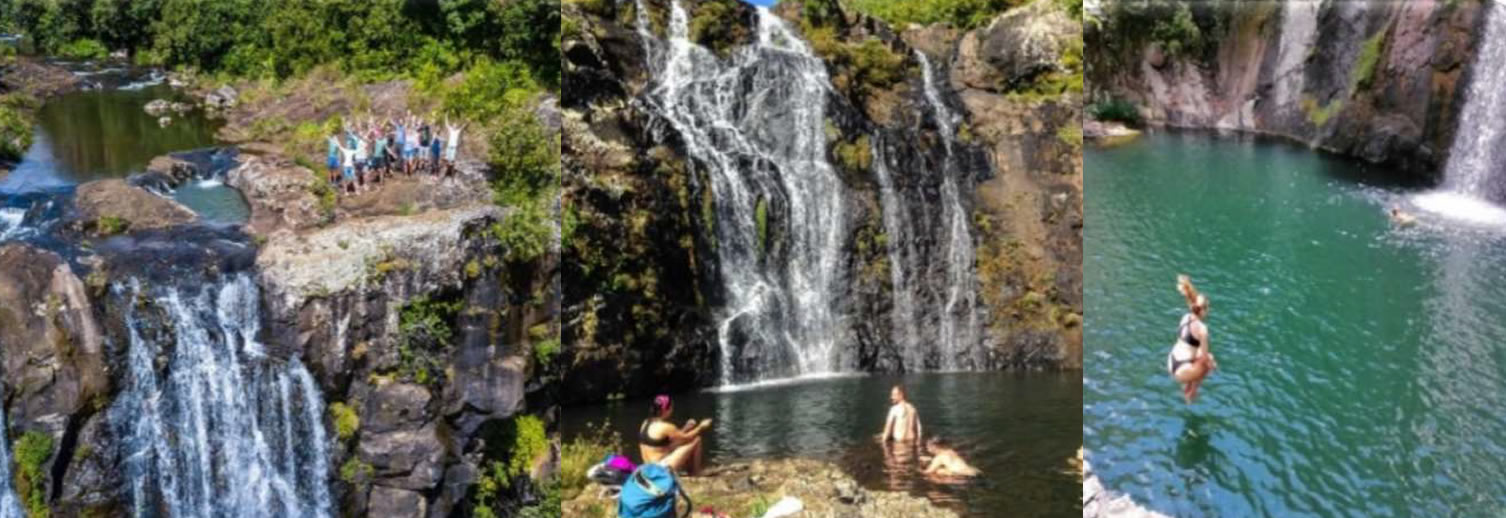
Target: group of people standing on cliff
(373, 149)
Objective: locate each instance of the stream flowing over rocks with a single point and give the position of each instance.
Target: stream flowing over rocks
(746, 207)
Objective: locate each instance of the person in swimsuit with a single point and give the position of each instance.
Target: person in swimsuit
(1189, 360)
(435, 144)
(452, 144)
(332, 160)
(410, 146)
(1402, 219)
(660, 441)
(903, 423)
(347, 161)
(945, 462)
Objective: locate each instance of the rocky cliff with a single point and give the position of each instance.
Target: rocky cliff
(640, 224)
(1378, 81)
(415, 326)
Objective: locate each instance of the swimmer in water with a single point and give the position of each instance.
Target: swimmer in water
(945, 462)
(1190, 361)
(1400, 218)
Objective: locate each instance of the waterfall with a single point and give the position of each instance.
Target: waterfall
(10, 505)
(905, 320)
(755, 122)
(1299, 28)
(211, 426)
(1477, 149)
(959, 318)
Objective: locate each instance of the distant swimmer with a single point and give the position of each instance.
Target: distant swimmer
(1190, 360)
(1402, 219)
(945, 462)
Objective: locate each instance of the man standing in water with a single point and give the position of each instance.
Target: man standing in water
(903, 424)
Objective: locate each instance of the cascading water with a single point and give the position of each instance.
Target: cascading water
(10, 506)
(905, 319)
(1299, 28)
(959, 318)
(755, 122)
(1469, 178)
(211, 426)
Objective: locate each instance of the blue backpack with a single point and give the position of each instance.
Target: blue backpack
(650, 493)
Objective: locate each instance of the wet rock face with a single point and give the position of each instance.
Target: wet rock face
(54, 360)
(1378, 81)
(1016, 47)
(112, 206)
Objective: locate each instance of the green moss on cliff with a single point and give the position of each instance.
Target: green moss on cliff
(1319, 115)
(32, 451)
(525, 441)
(856, 155)
(716, 25)
(761, 221)
(1364, 65)
(345, 419)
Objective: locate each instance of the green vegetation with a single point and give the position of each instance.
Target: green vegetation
(31, 451)
(582, 452)
(856, 155)
(525, 157)
(1070, 135)
(345, 418)
(288, 38)
(963, 14)
(525, 440)
(84, 48)
(355, 471)
(1066, 77)
(1115, 110)
(1364, 65)
(863, 67)
(544, 351)
(111, 225)
(1320, 115)
(761, 221)
(1183, 28)
(423, 334)
(15, 132)
(715, 24)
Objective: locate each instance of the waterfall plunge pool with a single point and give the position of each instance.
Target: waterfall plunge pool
(1362, 364)
(1019, 428)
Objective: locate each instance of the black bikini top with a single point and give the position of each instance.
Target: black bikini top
(646, 440)
(1185, 333)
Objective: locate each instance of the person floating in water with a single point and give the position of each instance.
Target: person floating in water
(1400, 218)
(660, 441)
(945, 462)
(903, 424)
(1189, 360)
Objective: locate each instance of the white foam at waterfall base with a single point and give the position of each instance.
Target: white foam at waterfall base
(220, 430)
(1460, 207)
(11, 221)
(1475, 156)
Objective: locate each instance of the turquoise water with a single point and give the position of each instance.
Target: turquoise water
(1363, 366)
(1018, 428)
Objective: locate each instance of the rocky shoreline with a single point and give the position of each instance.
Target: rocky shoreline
(738, 489)
(1099, 502)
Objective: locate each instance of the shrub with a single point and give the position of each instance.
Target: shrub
(345, 418)
(31, 451)
(1115, 110)
(84, 49)
(15, 132)
(525, 440)
(582, 452)
(423, 331)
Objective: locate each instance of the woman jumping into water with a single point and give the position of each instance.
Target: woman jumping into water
(1190, 361)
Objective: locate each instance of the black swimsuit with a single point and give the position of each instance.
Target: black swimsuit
(644, 438)
(1184, 334)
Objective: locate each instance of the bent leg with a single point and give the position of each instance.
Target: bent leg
(680, 459)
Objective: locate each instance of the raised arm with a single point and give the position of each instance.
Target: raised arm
(1184, 286)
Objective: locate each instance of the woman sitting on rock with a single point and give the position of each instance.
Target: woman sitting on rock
(660, 441)
(1189, 360)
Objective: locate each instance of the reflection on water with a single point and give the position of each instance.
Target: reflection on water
(1359, 361)
(1018, 428)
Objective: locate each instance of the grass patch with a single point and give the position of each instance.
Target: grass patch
(345, 418)
(1364, 65)
(355, 471)
(582, 452)
(1070, 135)
(111, 225)
(31, 451)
